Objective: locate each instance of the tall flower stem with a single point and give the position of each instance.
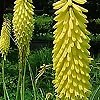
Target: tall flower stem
(4, 47)
(18, 87)
(3, 77)
(21, 82)
(6, 96)
(21, 89)
(23, 29)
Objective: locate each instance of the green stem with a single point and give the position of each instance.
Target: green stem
(21, 80)
(32, 80)
(21, 89)
(23, 72)
(24, 80)
(3, 77)
(18, 87)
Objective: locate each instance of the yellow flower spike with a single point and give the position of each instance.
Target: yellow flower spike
(23, 25)
(5, 37)
(70, 53)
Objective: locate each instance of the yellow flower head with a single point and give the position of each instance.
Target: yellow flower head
(23, 25)
(5, 37)
(70, 53)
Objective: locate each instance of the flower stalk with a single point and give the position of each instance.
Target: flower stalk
(3, 77)
(70, 54)
(23, 28)
(4, 48)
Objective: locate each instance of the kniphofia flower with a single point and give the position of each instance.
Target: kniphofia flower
(5, 36)
(23, 25)
(70, 54)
